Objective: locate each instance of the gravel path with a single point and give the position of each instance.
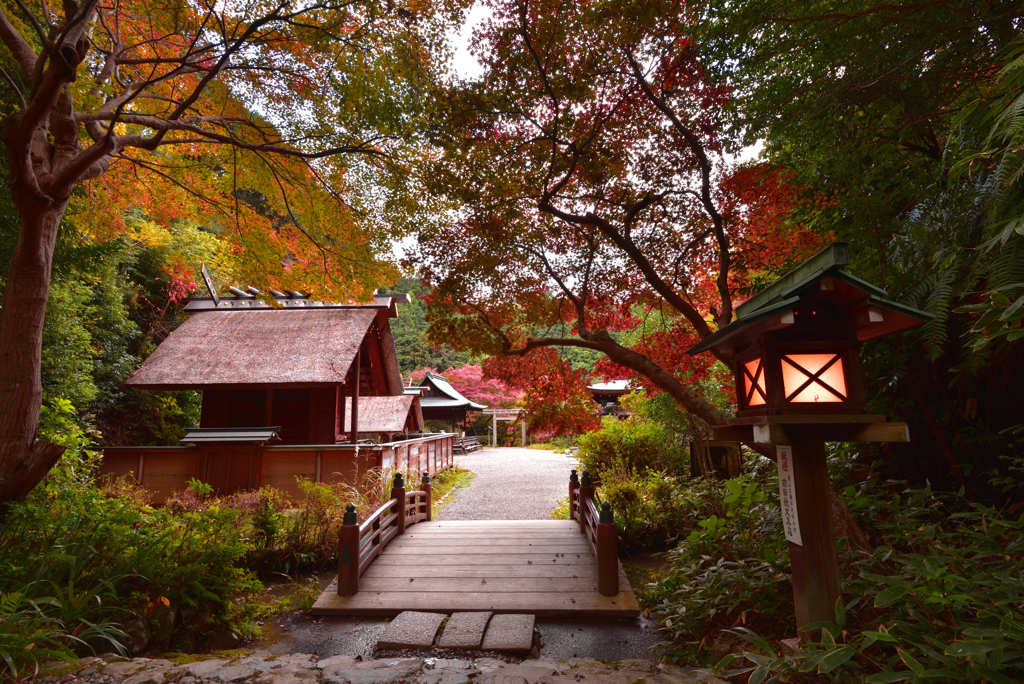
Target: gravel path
(511, 484)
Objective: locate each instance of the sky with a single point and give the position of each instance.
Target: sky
(465, 65)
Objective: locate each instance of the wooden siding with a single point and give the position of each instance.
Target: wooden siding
(240, 467)
(291, 412)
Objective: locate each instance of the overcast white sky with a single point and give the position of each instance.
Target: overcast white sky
(465, 65)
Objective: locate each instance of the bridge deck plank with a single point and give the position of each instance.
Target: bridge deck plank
(504, 566)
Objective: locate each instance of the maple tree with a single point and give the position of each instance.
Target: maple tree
(594, 193)
(554, 395)
(261, 116)
(592, 190)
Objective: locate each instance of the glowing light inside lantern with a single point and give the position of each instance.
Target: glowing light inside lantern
(753, 383)
(813, 378)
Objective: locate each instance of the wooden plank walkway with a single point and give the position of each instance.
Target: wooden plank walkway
(543, 567)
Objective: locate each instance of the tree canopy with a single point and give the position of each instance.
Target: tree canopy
(599, 208)
(288, 128)
(592, 190)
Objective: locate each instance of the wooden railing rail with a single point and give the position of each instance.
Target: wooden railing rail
(360, 544)
(598, 524)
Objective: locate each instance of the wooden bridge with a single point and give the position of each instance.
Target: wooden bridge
(542, 567)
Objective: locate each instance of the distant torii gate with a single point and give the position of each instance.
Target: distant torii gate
(506, 415)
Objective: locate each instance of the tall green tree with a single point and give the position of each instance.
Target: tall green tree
(872, 107)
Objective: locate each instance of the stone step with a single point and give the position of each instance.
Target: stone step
(509, 633)
(411, 629)
(464, 631)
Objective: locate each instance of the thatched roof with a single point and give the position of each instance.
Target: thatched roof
(257, 347)
(387, 414)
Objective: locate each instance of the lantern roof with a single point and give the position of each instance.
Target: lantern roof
(864, 307)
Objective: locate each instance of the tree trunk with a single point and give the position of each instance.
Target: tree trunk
(24, 460)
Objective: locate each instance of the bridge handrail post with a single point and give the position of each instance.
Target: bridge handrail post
(348, 553)
(607, 553)
(574, 484)
(398, 496)
(586, 494)
(425, 486)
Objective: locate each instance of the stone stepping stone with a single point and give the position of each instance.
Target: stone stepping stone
(509, 634)
(411, 629)
(464, 631)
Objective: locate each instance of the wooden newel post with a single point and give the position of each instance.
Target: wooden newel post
(813, 554)
(607, 553)
(425, 486)
(586, 494)
(348, 553)
(398, 496)
(574, 484)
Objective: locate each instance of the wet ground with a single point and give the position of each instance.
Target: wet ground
(563, 639)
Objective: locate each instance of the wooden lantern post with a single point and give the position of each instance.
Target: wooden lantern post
(794, 349)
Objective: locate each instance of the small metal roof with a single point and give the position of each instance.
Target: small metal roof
(444, 386)
(441, 402)
(257, 435)
(820, 279)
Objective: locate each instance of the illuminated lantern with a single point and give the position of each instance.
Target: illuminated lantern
(794, 350)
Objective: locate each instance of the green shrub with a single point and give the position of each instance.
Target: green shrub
(649, 515)
(80, 558)
(636, 445)
(732, 567)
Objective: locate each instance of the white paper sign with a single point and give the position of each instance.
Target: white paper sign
(787, 495)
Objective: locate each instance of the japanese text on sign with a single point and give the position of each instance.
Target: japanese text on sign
(787, 495)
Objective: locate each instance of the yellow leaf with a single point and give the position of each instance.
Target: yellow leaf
(166, 601)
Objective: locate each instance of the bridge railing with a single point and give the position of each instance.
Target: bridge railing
(598, 524)
(359, 544)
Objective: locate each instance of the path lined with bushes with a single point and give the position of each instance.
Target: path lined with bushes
(511, 484)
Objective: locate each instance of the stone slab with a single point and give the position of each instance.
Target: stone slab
(464, 631)
(510, 633)
(372, 671)
(411, 629)
(442, 677)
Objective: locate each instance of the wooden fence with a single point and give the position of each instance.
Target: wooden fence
(599, 527)
(237, 467)
(358, 545)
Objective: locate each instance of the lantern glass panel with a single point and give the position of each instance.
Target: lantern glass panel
(813, 378)
(753, 383)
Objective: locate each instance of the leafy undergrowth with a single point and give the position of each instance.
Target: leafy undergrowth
(940, 597)
(561, 512)
(89, 566)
